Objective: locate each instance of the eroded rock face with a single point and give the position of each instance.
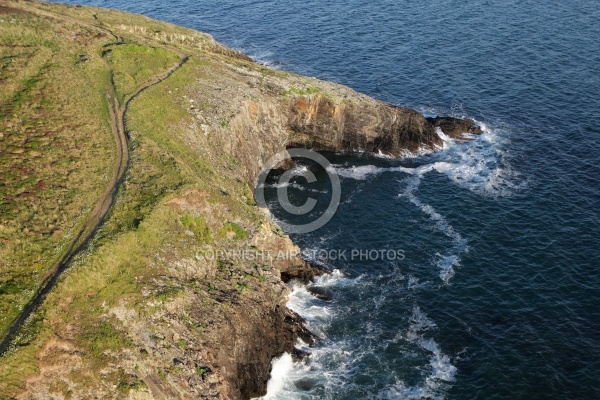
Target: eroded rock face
(249, 337)
(340, 122)
(322, 124)
(305, 272)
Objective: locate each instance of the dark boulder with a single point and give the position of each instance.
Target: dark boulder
(455, 127)
(305, 273)
(320, 292)
(300, 355)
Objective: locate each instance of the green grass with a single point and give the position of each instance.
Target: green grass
(233, 231)
(133, 65)
(56, 149)
(198, 226)
(102, 336)
(301, 91)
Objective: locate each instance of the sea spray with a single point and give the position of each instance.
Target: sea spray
(280, 369)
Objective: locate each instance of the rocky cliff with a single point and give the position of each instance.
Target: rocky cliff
(160, 302)
(278, 110)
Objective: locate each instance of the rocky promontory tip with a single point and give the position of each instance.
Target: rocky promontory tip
(455, 127)
(331, 118)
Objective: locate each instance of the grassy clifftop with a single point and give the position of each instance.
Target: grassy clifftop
(56, 147)
(139, 311)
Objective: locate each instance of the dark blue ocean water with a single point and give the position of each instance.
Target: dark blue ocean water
(498, 294)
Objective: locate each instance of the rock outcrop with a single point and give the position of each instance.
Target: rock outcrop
(334, 119)
(323, 124)
(455, 127)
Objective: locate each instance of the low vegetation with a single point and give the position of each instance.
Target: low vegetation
(295, 91)
(56, 146)
(58, 64)
(134, 64)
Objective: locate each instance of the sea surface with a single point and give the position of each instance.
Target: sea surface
(496, 294)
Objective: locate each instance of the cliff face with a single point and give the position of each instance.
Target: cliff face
(296, 111)
(322, 124)
(161, 304)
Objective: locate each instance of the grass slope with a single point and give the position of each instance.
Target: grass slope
(56, 157)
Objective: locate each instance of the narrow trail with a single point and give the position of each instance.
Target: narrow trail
(97, 216)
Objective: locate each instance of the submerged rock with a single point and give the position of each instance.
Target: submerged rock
(305, 384)
(320, 292)
(300, 355)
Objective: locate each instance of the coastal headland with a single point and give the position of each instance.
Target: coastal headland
(129, 149)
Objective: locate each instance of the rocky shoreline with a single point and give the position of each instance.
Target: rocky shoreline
(340, 120)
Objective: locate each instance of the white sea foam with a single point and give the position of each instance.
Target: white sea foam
(442, 373)
(293, 185)
(419, 324)
(334, 364)
(413, 283)
(480, 165)
(441, 224)
(365, 171)
(380, 154)
(318, 314)
(264, 58)
(446, 266)
(300, 170)
(280, 370)
(476, 165)
(335, 278)
(445, 139)
(445, 263)
(310, 308)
